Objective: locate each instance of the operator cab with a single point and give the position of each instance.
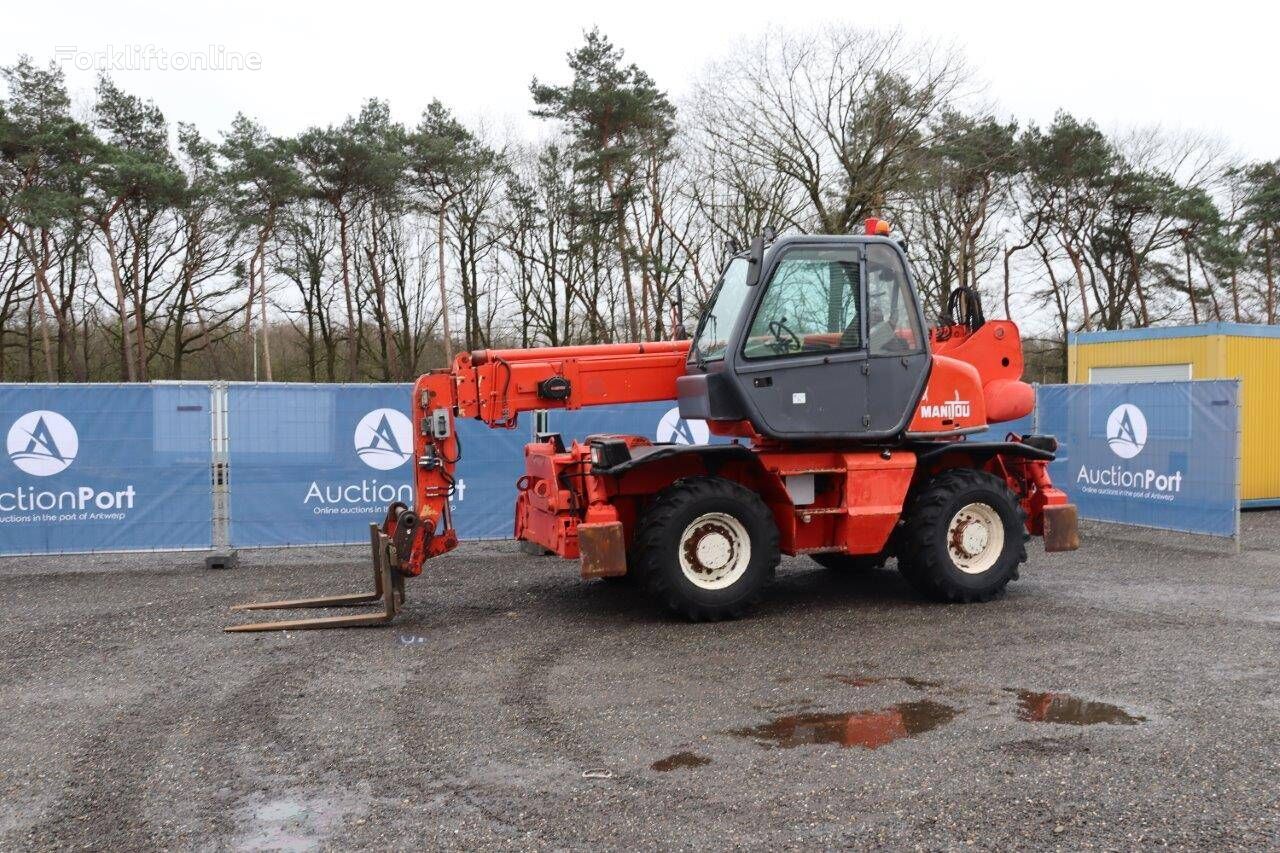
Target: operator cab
(811, 337)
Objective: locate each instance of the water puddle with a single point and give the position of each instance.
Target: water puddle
(296, 822)
(867, 729)
(1034, 707)
(680, 761)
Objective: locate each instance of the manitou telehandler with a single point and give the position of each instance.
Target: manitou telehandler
(850, 443)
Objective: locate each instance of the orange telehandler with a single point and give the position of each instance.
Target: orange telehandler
(851, 443)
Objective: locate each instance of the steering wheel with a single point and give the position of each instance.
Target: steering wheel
(780, 345)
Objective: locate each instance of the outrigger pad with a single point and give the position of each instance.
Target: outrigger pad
(1061, 528)
(603, 550)
(388, 586)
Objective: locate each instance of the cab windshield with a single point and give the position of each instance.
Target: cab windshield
(717, 323)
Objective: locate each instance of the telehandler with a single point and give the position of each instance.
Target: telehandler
(850, 429)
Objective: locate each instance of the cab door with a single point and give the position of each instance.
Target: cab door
(802, 362)
(898, 360)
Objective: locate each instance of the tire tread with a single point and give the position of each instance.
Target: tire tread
(658, 524)
(926, 511)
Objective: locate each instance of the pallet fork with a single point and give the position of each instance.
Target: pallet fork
(388, 587)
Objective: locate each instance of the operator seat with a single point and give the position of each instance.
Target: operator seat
(882, 337)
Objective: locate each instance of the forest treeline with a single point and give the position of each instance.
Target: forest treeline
(133, 249)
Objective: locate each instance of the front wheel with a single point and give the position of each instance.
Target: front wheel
(707, 547)
(963, 538)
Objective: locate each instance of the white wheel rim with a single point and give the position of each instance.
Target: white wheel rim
(975, 538)
(714, 550)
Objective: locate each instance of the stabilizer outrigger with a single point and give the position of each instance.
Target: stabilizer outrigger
(388, 586)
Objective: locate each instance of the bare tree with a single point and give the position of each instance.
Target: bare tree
(843, 114)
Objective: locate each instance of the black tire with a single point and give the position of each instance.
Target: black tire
(532, 549)
(849, 562)
(657, 543)
(926, 557)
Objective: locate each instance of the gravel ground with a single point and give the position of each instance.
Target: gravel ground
(1120, 697)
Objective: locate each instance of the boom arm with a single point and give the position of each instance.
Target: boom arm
(495, 386)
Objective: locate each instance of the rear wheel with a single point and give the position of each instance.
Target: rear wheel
(706, 547)
(964, 537)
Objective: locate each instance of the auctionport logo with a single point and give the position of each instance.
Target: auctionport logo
(384, 439)
(673, 429)
(1126, 431)
(1126, 437)
(43, 443)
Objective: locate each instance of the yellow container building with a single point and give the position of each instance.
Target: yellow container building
(1241, 351)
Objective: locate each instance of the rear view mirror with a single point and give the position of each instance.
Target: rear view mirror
(755, 260)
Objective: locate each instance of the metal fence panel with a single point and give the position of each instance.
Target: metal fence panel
(315, 464)
(484, 504)
(1157, 454)
(127, 467)
(105, 468)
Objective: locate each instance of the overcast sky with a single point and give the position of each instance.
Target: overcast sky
(1209, 67)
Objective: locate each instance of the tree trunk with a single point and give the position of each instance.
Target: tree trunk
(179, 320)
(353, 346)
(31, 341)
(620, 236)
(1213, 291)
(50, 372)
(1008, 255)
(125, 358)
(380, 300)
(139, 318)
(1271, 283)
(66, 320)
(1191, 290)
(1084, 299)
(311, 349)
(208, 343)
(262, 303)
(444, 299)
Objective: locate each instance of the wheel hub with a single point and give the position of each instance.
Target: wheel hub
(970, 538)
(714, 550)
(975, 538)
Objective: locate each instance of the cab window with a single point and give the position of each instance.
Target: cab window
(811, 305)
(893, 326)
(716, 324)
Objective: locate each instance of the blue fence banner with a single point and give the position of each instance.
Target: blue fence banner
(105, 468)
(1157, 454)
(128, 467)
(315, 464)
(998, 432)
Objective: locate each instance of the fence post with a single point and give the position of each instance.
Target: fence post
(223, 556)
(1239, 466)
(1035, 410)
